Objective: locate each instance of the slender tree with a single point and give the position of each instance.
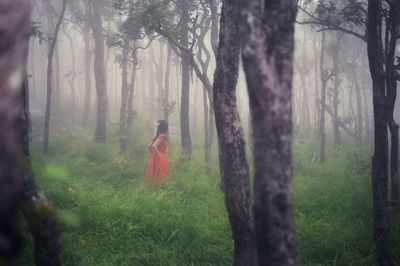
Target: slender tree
(99, 73)
(86, 28)
(52, 45)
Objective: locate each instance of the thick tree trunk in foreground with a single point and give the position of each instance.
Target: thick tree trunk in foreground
(99, 74)
(14, 23)
(233, 163)
(186, 142)
(267, 52)
(17, 186)
(379, 173)
(52, 46)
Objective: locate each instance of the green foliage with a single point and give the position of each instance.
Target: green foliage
(112, 216)
(341, 13)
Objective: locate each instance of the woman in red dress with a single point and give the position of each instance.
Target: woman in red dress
(158, 167)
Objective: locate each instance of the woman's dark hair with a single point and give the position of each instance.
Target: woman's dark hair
(161, 128)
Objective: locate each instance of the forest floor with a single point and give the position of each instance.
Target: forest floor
(110, 215)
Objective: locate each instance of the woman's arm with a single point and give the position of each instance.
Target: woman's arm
(149, 148)
(155, 145)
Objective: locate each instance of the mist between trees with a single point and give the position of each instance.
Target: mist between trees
(243, 85)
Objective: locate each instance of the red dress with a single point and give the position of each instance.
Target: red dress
(158, 167)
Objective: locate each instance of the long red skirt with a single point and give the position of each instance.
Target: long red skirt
(157, 168)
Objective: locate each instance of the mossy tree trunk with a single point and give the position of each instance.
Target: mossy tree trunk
(232, 153)
(99, 74)
(379, 173)
(267, 52)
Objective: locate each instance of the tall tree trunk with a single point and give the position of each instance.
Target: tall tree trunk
(186, 142)
(14, 24)
(160, 81)
(267, 53)
(124, 98)
(99, 74)
(131, 91)
(214, 45)
(379, 173)
(157, 68)
(305, 104)
(72, 73)
(335, 102)
(87, 102)
(52, 44)
(57, 84)
(324, 80)
(367, 118)
(33, 69)
(359, 128)
(152, 90)
(232, 157)
(166, 84)
(214, 25)
(391, 89)
(316, 85)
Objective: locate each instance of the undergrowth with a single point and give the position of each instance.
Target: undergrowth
(111, 215)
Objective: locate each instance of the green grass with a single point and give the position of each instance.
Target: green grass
(111, 216)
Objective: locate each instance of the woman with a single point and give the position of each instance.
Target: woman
(158, 165)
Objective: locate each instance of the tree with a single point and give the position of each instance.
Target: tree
(364, 19)
(14, 25)
(232, 153)
(18, 189)
(380, 157)
(99, 73)
(52, 45)
(86, 28)
(267, 52)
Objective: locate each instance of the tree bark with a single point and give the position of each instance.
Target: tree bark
(71, 76)
(336, 82)
(123, 141)
(87, 102)
(379, 173)
(324, 80)
(232, 153)
(99, 74)
(14, 24)
(130, 118)
(166, 84)
(186, 142)
(52, 44)
(359, 128)
(57, 84)
(391, 91)
(267, 53)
